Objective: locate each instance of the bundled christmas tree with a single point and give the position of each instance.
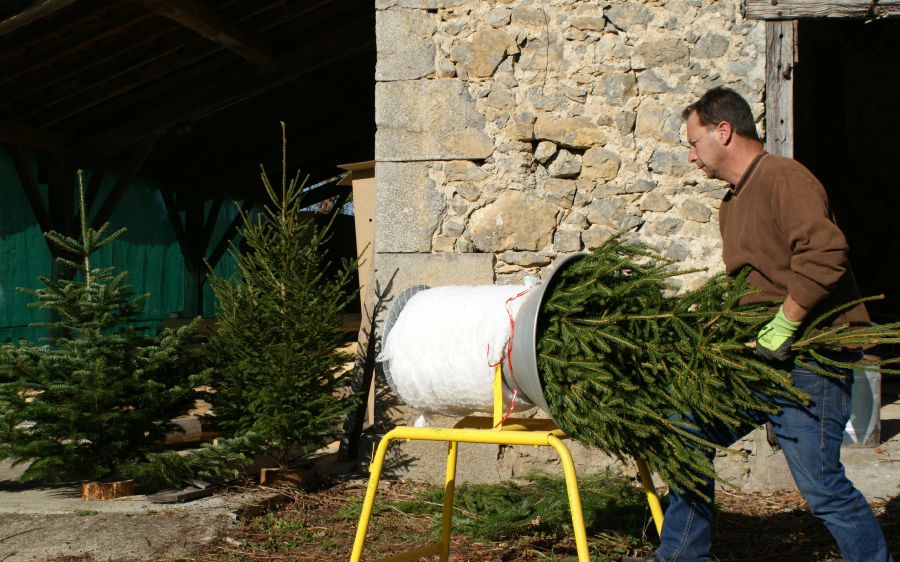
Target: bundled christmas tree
(94, 401)
(279, 370)
(630, 368)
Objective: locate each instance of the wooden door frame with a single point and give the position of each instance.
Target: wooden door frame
(781, 17)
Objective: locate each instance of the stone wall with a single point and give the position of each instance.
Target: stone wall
(514, 131)
(525, 129)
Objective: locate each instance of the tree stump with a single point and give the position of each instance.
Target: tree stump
(97, 491)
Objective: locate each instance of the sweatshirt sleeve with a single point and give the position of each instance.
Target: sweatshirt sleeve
(818, 247)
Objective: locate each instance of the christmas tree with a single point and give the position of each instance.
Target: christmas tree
(279, 370)
(630, 368)
(93, 401)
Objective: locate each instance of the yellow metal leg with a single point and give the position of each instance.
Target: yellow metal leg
(652, 498)
(374, 477)
(574, 498)
(518, 432)
(449, 491)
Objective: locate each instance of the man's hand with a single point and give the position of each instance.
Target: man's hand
(774, 341)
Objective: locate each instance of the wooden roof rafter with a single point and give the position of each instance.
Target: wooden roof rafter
(326, 50)
(36, 11)
(209, 25)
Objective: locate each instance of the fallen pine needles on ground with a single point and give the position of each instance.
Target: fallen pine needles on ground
(525, 520)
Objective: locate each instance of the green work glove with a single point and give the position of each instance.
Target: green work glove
(774, 341)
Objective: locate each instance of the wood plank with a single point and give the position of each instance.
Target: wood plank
(788, 9)
(20, 134)
(100, 491)
(780, 59)
(30, 186)
(36, 11)
(209, 25)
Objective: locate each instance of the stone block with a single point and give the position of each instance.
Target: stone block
(479, 56)
(670, 163)
(521, 126)
(408, 207)
(659, 52)
(428, 120)
(525, 259)
(544, 150)
(667, 226)
(600, 164)
(640, 186)
(655, 202)
(612, 213)
(558, 191)
(650, 83)
(710, 46)
(404, 43)
(433, 270)
(567, 240)
(656, 122)
(588, 23)
(565, 165)
(515, 221)
(463, 170)
(627, 15)
(573, 132)
(529, 17)
(616, 88)
(694, 211)
(595, 236)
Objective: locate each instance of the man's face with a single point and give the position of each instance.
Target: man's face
(706, 150)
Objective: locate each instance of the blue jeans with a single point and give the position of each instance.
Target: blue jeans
(810, 437)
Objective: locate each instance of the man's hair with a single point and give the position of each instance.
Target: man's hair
(723, 104)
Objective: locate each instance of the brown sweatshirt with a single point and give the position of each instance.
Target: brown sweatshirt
(778, 221)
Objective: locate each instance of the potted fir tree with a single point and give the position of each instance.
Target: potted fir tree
(94, 400)
(278, 365)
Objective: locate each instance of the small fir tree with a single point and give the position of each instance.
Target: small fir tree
(622, 359)
(95, 399)
(279, 370)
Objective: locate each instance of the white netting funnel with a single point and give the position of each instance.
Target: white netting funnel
(440, 345)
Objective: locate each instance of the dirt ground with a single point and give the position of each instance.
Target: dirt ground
(320, 526)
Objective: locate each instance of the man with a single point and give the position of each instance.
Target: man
(777, 220)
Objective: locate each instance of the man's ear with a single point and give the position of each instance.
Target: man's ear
(724, 132)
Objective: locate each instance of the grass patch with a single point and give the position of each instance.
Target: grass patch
(536, 510)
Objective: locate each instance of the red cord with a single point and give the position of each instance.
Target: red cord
(508, 356)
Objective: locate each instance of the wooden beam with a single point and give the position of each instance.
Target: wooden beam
(228, 235)
(209, 224)
(790, 9)
(36, 11)
(177, 224)
(216, 97)
(780, 59)
(30, 186)
(126, 177)
(35, 138)
(207, 24)
(48, 55)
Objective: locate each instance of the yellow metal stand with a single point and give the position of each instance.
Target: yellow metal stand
(534, 432)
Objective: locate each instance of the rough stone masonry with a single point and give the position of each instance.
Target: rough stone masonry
(514, 131)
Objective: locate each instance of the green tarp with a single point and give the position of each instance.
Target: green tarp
(148, 251)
